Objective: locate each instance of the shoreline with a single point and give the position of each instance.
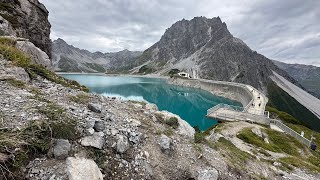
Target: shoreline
(103, 74)
(234, 91)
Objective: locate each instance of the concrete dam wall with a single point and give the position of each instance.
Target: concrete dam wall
(234, 91)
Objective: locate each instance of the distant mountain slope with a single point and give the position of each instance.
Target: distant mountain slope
(71, 59)
(206, 49)
(308, 76)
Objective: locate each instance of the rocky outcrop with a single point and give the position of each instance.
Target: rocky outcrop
(8, 71)
(71, 59)
(36, 54)
(27, 19)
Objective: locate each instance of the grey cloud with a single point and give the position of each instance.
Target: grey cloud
(286, 30)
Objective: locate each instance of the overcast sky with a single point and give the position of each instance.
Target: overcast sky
(285, 30)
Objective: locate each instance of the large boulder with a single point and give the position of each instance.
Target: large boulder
(82, 169)
(97, 140)
(61, 148)
(37, 55)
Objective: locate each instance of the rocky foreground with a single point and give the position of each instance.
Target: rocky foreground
(53, 130)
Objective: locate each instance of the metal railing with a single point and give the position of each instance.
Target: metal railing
(226, 106)
(291, 132)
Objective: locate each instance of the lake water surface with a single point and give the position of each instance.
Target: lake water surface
(189, 103)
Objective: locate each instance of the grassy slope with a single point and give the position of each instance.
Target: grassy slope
(282, 143)
(282, 101)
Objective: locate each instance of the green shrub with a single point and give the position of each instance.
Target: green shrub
(199, 137)
(173, 122)
(283, 115)
(16, 83)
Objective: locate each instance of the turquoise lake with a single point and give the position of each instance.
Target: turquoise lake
(189, 103)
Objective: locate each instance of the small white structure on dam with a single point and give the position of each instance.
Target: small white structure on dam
(185, 75)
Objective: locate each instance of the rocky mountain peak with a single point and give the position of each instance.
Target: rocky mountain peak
(190, 35)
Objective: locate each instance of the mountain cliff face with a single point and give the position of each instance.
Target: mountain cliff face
(27, 19)
(308, 76)
(206, 49)
(72, 59)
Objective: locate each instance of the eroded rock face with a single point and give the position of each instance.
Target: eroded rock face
(27, 19)
(82, 169)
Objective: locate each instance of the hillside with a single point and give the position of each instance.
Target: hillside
(308, 76)
(68, 58)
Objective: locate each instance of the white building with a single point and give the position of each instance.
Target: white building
(184, 74)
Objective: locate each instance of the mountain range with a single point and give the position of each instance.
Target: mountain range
(68, 58)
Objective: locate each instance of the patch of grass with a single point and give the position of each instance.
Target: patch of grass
(199, 137)
(20, 59)
(278, 142)
(80, 98)
(23, 145)
(197, 147)
(63, 126)
(283, 115)
(172, 122)
(232, 153)
(16, 83)
(168, 132)
(287, 162)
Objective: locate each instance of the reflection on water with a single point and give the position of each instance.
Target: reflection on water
(189, 103)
